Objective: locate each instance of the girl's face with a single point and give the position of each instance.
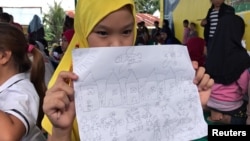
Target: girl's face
(192, 27)
(116, 29)
(217, 3)
(164, 35)
(64, 44)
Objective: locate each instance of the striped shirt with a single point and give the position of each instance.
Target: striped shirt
(214, 17)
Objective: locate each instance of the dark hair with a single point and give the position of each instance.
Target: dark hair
(5, 17)
(186, 21)
(192, 23)
(1, 10)
(68, 23)
(13, 39)
(158, 34)
(37, 77)
(11, 17)
(156, 22)
(166, 22)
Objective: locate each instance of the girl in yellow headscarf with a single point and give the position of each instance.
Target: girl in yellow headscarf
(97, 23)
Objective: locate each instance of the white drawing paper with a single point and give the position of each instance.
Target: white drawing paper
(137, 94)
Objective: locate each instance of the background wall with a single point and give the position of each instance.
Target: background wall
(195, 10)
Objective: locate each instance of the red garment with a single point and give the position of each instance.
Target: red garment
(68, 34)
(196, 46)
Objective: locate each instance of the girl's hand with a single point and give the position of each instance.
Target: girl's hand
(204, 83)
(203, 22)
(59, 105)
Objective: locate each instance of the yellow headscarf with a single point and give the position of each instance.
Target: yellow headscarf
(88, 13)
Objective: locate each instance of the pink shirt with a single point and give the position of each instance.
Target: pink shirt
(185, 35)
(229, 96)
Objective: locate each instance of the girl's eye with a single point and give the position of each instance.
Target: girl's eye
(127, 32)
(102, 33)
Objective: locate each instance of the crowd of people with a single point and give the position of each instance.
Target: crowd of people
(35, 94)
(26, 69)
(158, 35)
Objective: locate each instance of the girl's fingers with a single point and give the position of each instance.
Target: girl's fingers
(59, 101)
(66, 76)
(195, 65)
(210, 83)
(199, 75)
(203, 83)
(63, 84)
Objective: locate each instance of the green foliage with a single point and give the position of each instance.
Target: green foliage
(147, 6)
(53, 22)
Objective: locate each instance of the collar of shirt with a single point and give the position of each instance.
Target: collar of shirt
(12, 80)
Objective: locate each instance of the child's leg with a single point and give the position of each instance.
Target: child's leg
(215, 115)
(236, 117)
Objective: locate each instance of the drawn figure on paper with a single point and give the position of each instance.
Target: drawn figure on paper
(161, 89)
(111, 124)
(132, 89)
(130, 57)
(89, 95)
(91, 128)
(169, 127)
(170, 85)
(134, 121)
(157, 131)
(151, 92)
(170, 60)
(169, 71)
(134, 59)
(149, 119)
(113, 91)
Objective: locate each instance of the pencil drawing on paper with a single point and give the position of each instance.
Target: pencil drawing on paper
(128, 94)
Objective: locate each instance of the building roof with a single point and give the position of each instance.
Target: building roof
(147, 18)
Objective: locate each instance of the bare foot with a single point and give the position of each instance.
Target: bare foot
(216, 115)
(225, 120)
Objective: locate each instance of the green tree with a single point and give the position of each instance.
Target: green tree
(147, 6)
(53, 22)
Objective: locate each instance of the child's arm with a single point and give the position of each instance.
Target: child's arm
(203, 82)
(59, 107)
(11, 128)
(243, 82)
(60, 135)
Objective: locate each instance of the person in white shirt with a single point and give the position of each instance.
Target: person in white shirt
(19, 95)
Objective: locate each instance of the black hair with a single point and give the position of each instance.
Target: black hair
(156, 22)
(5, 17)
(186, 21)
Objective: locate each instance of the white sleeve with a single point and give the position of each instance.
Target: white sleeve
(22, 102)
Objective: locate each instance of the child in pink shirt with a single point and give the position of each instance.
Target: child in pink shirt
(227, 63)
